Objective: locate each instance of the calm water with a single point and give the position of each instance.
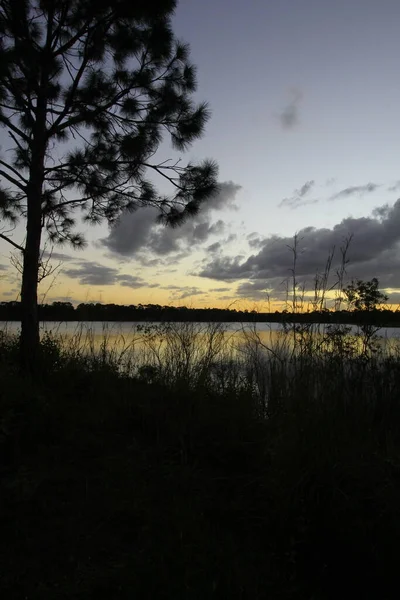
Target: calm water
(122, 334)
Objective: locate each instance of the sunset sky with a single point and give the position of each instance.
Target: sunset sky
(306, 130)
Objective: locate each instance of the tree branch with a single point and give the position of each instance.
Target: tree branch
(159, 171)
(66, 203)
(10, 241)
(71, 94)
(2, 162)
(10, 125)
(68, 45)
(12, 180)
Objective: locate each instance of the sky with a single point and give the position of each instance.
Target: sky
(305, 128)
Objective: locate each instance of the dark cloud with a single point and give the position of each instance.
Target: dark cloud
(91, 273)
(305, 188)
(298, 197)
(137, 233)
(214, 247)
(3, 268)
(203, 231)
(358, 190)
(374, 252)
(220, 289)
(132, 232)
(289, 117)
(226, 198)
(225, 268)
(256, 290)
(382, 212)
(256, 242)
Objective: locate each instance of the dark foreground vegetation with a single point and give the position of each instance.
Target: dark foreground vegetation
(278, 477)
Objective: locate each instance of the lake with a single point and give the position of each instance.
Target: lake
(120, 335)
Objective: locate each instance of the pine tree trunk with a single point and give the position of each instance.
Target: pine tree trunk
(29, 343)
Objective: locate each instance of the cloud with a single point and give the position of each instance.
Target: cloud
(3, 267)
(132, 232)
(129, 280)
(138, 234)
(374, 252)
(203, 231)
(382, 212)
(305, 188)
(214, 247)
(151, 262)
(256, 242)
(395, 187)
(289, 116)
(298, 198)
(58, 256)
(330, 181)
(256, 290)
(232, 237)
(180, 292)
(133, 281)
(220, 289)
(91, 273)
(358, 190)
(188, 292)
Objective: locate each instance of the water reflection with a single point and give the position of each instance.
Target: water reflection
(119, 336)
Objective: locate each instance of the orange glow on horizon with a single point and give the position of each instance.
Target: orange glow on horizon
(203, 296)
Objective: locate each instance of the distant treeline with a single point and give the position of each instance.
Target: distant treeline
(65, 311)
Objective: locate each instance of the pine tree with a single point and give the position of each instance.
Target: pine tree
(88, 90)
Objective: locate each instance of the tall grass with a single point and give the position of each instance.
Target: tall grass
(310, 360)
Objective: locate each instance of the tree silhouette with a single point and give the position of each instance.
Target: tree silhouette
(88, 90)
(364, 295)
